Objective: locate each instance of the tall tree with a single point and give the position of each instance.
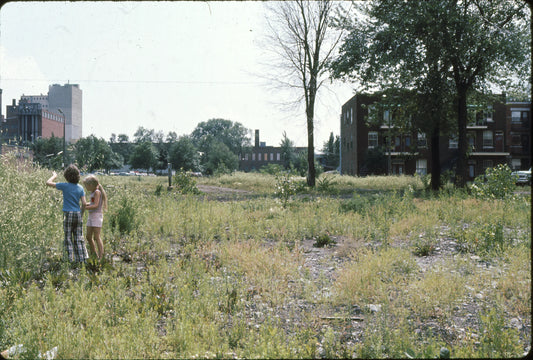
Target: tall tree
(47, 151)
(95, 153)
(444, 49)
(144, 156)
(208, 135)
(183, 154)
(331, 152)
(287, 153)
(299, 38)
(121, 145)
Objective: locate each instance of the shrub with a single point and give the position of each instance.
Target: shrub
(497, 183)
(326, 184)
(124, 218)
(285, 188)
(185, 183)
(323, 240)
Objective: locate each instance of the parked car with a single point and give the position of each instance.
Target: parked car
(523, 177)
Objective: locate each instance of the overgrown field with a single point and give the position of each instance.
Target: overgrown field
(361, 267)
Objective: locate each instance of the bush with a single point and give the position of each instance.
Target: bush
(124, 218)
(285, 188)
(185, 183)
(497, 183)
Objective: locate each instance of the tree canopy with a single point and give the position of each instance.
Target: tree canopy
(442, 49)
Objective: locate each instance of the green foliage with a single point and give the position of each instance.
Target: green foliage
(183, 154)
(324, 240)
(271, 169)
(185, 183)
(220, 159)
(483, 239)
(497, 183)
(46, 152)
(143, 156)
(331, 150)
(124, 218)
(285, 188)
(94, 154)
(497, 340)
(326, 184)
(287, 152)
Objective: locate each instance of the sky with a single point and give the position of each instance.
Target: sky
(165, 66)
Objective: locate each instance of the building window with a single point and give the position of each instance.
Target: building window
(253, 156)
(246, 157)
(386, 117)
(266, 156)
(372, 139)
(278, 157)
(351, 115)
(488, 114)
(453, 143)
(407, 141)
(422, 167)
(516, 116)
(471, 138)
(515, 164)
(422, 142)
(515, 140)
(271, 156)
(487, 139)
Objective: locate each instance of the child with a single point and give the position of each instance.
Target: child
(96, 216)
(72, 214)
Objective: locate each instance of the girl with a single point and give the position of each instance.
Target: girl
(96, 216)
(73, 215)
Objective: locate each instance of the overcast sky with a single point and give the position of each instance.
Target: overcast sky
(165, 66)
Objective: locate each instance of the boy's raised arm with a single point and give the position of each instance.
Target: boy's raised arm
(50, 182)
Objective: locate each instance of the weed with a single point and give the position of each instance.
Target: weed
(158, 190)
(124, 219)
(285, 188)
(185, 183)
(324, 240)
(497, 183)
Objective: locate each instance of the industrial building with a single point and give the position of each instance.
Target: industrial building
(58, 113)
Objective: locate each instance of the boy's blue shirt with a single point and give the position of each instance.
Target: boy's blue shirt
(72, 194)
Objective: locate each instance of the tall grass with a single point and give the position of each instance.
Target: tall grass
(187, 276)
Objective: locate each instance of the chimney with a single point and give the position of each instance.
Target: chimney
(256, 138)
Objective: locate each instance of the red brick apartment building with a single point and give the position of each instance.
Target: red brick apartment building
(497, 134)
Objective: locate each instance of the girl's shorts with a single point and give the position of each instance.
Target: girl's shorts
(95, 219)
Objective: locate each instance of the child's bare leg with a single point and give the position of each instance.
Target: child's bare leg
(98, 241)
(90, 232)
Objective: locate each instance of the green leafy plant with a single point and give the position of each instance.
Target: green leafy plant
(124, 218)
(497, 183)
(323, 240)
(285, 188)
(185, 183)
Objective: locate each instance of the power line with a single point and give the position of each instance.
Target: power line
(137, 81)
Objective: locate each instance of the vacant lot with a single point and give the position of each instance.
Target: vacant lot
(359, 267)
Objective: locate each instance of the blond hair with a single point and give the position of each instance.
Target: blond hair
(93, 180)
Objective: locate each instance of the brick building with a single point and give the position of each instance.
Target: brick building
(497, 134)
(58, 113)
(261, 155)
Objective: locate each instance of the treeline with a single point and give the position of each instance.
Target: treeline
(213, 147)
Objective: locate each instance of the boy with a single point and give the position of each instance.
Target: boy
(72, 214)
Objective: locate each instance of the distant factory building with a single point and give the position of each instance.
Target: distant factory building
(58, 113)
